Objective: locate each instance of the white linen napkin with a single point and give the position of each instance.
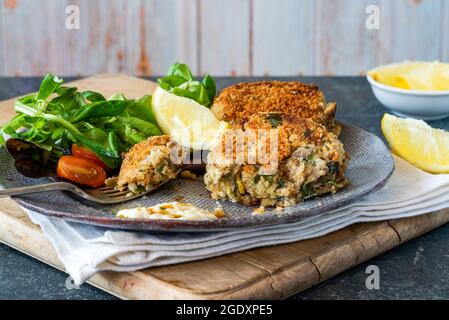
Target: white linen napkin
(85, 250)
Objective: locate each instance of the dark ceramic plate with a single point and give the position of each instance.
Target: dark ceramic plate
(369, 169)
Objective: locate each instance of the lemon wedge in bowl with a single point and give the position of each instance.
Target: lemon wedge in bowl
(418, 143)
(394, 75)
(188, 123)
(422, 76)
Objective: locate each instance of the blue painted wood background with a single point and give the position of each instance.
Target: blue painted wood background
(221, 37)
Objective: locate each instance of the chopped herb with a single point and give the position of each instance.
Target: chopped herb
(310, 160)
(307, 133)
(281, 183)
(328, 181)
(240, 186)
(333, 167)
(332, 183)
(269, 179)
(256, 179)
(275, 119)
(161, 168)
(307, 190)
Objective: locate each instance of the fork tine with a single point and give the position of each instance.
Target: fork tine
(105, 188)
(109, 195)
(118, 194)
(110, 191)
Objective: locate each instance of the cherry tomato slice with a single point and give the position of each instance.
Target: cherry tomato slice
(81, 170)
(79, 151)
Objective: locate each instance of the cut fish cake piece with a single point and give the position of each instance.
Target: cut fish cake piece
(149, 163)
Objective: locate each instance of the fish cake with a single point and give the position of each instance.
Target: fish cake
(310, 161)
(238, 102)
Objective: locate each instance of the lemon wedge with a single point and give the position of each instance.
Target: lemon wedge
(418, 143)
(188, 123)
(424, 76)
(394, 75)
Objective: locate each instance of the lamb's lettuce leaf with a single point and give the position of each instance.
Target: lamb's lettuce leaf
(58, 116)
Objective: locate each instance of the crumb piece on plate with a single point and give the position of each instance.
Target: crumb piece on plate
(111, 182)
(219, 212)
(186, 174)
(179, 198)
(260, 210)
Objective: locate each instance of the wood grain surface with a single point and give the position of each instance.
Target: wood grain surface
(265, 273)
(233, 37)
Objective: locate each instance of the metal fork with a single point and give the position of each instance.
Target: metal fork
(103, 195)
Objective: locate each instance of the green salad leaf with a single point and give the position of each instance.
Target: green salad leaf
(180, 70)
(58, 116)
(48, 86)
(180, 81)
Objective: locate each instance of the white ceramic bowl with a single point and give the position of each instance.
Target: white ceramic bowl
(426, 105)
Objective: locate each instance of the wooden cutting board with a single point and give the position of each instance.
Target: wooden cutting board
(266, 273)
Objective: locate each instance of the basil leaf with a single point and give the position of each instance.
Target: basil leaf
(193, 90)
(203, 97)
(171, 81)
(180, 82)
(209, 84)
(181, 70)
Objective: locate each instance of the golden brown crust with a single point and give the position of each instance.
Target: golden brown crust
(140, 163)
(139, 151)
(238, 102)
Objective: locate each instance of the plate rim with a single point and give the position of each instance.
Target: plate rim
(248, 222)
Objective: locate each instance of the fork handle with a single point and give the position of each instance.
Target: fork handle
(35, 189)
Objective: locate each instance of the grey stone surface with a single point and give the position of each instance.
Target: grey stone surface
(415, 270)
